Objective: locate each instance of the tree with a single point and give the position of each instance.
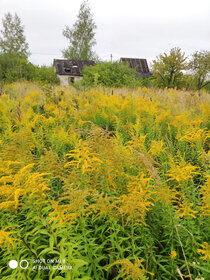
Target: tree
(167, 69)
(13, 39)
(81, 36)
(13, 49)
(200, 66)
(12, 67)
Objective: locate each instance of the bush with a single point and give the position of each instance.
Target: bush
(109, 74)
(46, 74)
(14, 67)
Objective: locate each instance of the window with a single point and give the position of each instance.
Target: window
(67, 70)
(71, 80)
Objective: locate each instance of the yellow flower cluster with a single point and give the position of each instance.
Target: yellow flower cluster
(131, 270)
(83, 158)
(136, 203)
(205, 251)
(5, 237)
(205, 197)
(16, 182)
(117, 162)
(181, 171)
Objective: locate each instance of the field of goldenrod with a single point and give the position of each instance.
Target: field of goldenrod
(105, 186)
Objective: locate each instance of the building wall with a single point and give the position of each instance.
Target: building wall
(65, 79)
(77, 79)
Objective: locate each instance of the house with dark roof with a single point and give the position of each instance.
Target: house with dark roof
(139, 64)
(69, 71)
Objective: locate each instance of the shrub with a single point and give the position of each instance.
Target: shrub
(109, 74)
(14, 67)
(46, 74)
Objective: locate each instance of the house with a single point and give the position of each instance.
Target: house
(139, 64)
(69, 71)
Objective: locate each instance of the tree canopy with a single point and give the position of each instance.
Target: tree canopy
(167, 68)
(12, 39)
(81, 35)
(200, 66)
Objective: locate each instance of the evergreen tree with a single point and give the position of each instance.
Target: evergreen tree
(13, 40)
(81, 35)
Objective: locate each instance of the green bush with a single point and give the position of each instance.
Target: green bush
(109, 74)
(14, 67)
(46, 74)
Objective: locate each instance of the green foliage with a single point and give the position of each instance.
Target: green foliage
(81, 36)
(13, 39)
(13, 55)
(46, 74)
(13, 67)
(200, 66)
(109, 74)
(167, 69)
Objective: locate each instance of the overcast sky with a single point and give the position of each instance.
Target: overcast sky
(125, 28)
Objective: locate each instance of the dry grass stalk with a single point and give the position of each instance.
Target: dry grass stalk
(179, 272)
(149, 166)
(183, 252)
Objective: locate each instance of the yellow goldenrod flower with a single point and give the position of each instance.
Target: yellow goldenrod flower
(205, 197)
(162, 116)
(181, 171)
(165, 195)
(156, 148)
(22, 182)
(74, 207)
(137, 202)
(185, 209)
(181, 120)
(84, 158)
(173, 254)
(131, 270)
(5, 238)
(205, 251)
(194, 135)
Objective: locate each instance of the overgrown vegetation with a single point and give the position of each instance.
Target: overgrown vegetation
(115, 75)
(16, 68)
(173, 70)
(115, 185)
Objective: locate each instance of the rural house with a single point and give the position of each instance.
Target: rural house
(69, 71)
(139, 64)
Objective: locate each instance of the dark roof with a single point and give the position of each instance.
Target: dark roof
(70, 67)
(140, 64)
